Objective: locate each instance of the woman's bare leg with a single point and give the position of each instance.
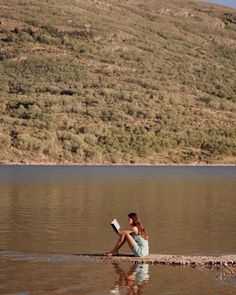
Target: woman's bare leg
(124, 236)
(118, 245)
(130, 240)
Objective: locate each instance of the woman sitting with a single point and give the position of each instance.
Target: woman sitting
(137, 238)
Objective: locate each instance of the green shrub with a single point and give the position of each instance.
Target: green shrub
(25, 109)
(2, 55)
(89, 154)
(68, 92)
(41, 38)
(71, 142)
(28, 142)
(5, 141)
(36, 70)
(90, 139)
(52, 31)
(18, 87)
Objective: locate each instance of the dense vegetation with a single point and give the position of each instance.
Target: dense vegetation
(117, 81)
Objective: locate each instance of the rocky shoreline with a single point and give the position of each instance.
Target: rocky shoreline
(173, 260)
(117, 164)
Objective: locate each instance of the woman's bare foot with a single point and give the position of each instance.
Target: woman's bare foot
(111, 253)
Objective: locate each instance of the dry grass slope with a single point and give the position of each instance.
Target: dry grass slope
(117, 81)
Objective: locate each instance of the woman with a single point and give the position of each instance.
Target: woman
(137, 238)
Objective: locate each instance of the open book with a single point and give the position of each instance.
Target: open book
(115, 225)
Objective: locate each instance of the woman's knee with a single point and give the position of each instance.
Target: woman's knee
(124, 232)
(121, 233)
(127, 233)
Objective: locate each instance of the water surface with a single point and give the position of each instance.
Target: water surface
(48, 213)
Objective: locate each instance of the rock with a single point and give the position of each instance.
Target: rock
(174, 260)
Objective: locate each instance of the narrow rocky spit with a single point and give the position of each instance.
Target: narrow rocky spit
(222, 261)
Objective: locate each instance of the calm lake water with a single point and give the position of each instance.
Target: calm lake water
(49, 213)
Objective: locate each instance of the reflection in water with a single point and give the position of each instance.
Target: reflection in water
(226, 275)
(134, 280)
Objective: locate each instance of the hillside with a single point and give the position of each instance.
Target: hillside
(117, 82)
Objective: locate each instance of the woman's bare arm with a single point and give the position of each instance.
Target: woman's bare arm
(135, 229)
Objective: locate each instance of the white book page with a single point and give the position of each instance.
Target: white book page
(116, 224)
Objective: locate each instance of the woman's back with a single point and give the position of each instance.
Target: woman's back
(142, 247)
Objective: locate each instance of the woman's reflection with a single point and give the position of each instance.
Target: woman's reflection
(135, 279)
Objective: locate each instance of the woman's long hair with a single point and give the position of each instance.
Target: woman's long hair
(137, 222)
